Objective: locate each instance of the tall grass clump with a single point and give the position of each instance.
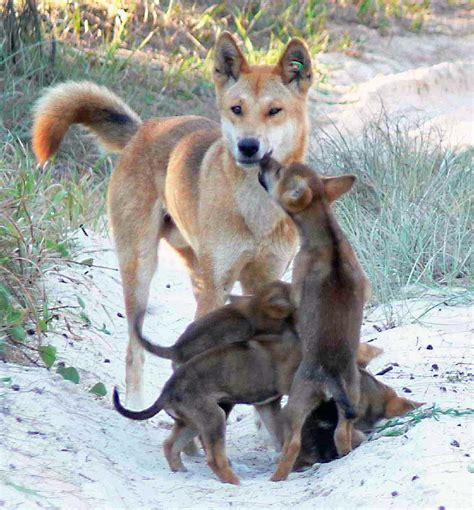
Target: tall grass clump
(411, 212)
(40, 214)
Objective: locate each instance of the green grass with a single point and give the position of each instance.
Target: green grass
(400, 425)
(410, 214)
(40, 214)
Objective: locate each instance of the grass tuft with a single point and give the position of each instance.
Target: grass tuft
(40, 213)
(400, 425)
(410, 214)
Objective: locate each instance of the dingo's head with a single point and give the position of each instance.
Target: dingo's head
(263, 108)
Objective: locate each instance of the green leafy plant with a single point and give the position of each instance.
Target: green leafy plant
(48, 354)
(400, 425)
(69, 373)
(99, 389)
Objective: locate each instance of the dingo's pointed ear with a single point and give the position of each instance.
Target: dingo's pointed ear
(398, 406)
(229, 61)
(298, 197)
(334, 187)
(295, 66)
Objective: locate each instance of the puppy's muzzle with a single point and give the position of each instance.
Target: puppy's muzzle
(264, 163)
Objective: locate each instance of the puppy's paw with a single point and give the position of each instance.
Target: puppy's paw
(342, 451)
(179, 469)
(277, 477)
(230, 477)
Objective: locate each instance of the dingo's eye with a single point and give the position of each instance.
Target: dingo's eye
(277, 173)
(237, 110)
(274, 111)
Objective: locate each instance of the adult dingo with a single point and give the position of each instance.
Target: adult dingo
(192, 182)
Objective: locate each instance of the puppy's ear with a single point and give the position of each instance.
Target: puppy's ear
(398, 406)
(298, 197)
(229, 61)
(295, 66)
(334, 187)
(366, 353)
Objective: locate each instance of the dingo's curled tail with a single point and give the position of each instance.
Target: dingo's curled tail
(146, 414)
(162, 352)
(82, 102)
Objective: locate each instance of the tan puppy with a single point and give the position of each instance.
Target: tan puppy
(377, 401)
(331, 288)
(185, 180)
(256, 372)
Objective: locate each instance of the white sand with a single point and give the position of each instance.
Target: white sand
(427, 80)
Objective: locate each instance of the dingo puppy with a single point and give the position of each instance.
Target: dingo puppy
(330, 288)
(270, 311)
(188, 181)
(203, 390)
(256, 372)
(377, 401)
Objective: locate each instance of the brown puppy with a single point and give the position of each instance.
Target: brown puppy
(256, 372)
(269, 311)
(331, 289)
(377, 401)
(246, 372)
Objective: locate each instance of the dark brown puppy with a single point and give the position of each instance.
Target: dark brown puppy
(377, 401)
(269, 311)
(331, 288)
(256, 372)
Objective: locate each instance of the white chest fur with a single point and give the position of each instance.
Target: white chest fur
(259, 212)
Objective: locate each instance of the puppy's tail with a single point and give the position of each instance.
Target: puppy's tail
(159, 350)
(96, 107)
(137, 415)
(337, 387)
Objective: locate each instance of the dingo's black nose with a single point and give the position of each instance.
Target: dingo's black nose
(248, 146)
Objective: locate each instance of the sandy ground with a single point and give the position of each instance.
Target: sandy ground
(424, 79)
(62, 447)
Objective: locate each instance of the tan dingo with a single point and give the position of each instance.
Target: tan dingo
(192, 183)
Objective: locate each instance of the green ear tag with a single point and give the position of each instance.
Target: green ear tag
(297, 66)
